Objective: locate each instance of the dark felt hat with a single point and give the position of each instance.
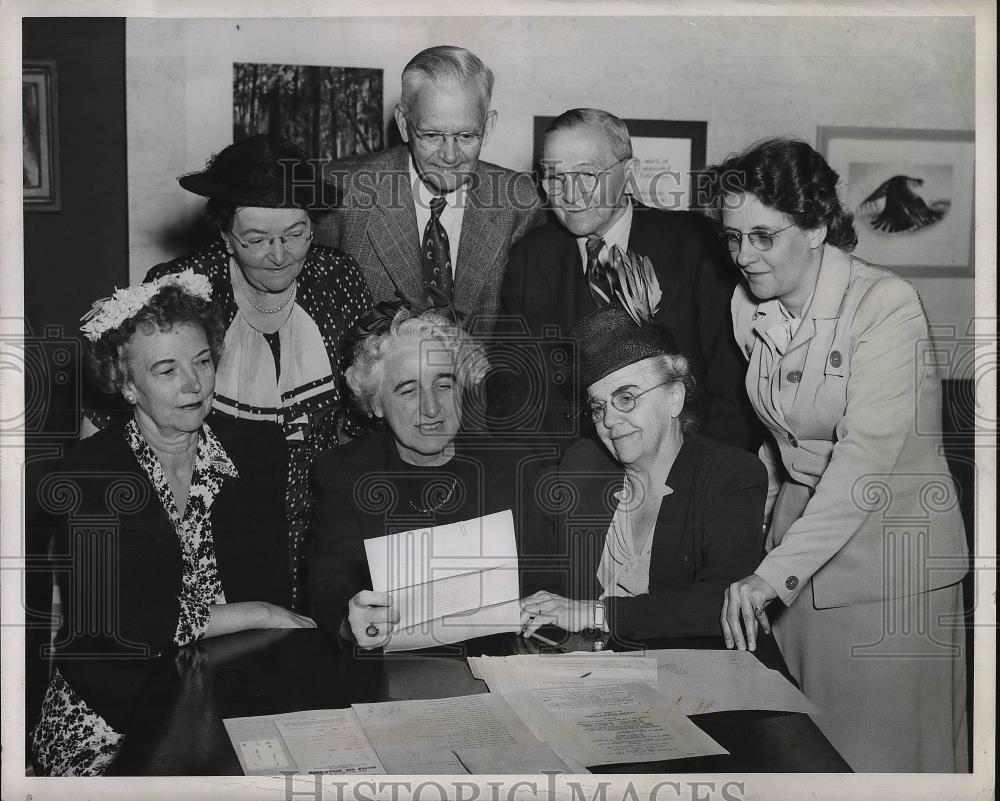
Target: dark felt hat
(609, 339)
(265, 171)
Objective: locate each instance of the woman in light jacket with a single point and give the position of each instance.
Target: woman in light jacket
(865, 548)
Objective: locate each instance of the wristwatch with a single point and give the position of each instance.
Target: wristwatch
(600, 626)
(600, 616)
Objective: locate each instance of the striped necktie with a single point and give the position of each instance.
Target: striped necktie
(598, 274)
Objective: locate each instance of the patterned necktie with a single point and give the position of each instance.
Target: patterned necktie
(598, 275)
(436, 252)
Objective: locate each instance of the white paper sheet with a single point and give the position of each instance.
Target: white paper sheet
(449, 583)
(496, 619)
(422, 737)
(329, 741)
(696, 682)
(508, 674)
(610, 725)
(509, 759)
(318, 740)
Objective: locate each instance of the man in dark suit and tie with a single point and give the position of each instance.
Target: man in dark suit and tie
(428, 214)
(558, 274)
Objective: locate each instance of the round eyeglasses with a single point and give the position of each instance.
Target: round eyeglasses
(585, 182)
(435, 140)
(624, 401)
(761, 240)
(262, 244)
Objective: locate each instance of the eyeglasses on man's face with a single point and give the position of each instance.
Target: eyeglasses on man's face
(435, 140)
(761, 240)
(624, 400)
(585, 182)
(258, 245)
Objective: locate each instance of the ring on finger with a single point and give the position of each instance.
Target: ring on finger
(372, 630)
(758, 611)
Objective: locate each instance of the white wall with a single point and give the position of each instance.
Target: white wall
(749, 77)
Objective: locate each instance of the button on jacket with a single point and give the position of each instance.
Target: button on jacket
(854, 407)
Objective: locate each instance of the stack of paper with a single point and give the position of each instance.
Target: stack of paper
(468, 734)
(450, 583)
(595, 709)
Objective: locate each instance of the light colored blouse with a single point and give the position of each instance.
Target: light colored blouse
(624, 567)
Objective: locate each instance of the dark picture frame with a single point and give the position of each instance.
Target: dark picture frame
(912, 192)
(40, 136)
(670, 153)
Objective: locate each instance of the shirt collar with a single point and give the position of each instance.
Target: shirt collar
(617, 235)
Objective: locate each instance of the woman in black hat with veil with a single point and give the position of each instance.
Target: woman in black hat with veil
(287, 304)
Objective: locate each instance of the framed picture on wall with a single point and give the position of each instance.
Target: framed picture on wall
(911, 192)
(329, 112)
(669, 153)
(40, 136)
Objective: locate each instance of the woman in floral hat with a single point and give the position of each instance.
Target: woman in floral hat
(193, 539)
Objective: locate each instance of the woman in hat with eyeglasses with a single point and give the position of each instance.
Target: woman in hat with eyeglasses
(653, 519)
(866, 547)
(287, 304)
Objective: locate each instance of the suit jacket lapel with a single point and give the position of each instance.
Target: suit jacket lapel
(815, 334)
(393, 233)
(481, 245)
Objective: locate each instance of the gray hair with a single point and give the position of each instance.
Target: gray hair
(614, 127)
(442, 65)
(365, 374)
(676, 369)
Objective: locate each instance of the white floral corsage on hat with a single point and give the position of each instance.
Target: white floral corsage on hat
(109, 313)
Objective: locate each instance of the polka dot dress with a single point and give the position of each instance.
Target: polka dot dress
(305, 401)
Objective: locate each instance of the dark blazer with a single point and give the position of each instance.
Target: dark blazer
(709, 533)
(118, 560)
(375, 222)
(356, 499)
(545, 293)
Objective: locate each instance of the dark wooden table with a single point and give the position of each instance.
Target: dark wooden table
(179, 729)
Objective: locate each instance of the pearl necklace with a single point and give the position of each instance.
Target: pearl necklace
(439, 504)
(261, 309)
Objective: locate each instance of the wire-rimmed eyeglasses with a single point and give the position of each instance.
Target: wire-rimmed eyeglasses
(624, 400)
(434, 140)
(262, 244)
(585, 182)
(761, 240)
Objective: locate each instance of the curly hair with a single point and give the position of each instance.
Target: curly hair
(790, 176)
(365, 374)
(169, 307)
(674, 368)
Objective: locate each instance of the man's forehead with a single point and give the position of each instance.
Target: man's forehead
(448, 97)
(577, 148)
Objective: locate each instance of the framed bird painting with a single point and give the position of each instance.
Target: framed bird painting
(912, 194)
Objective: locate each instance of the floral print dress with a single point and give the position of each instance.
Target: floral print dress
(71, 739)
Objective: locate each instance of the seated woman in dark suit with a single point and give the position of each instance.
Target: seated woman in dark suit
(656, 520)
(169, 534)
(413, 372)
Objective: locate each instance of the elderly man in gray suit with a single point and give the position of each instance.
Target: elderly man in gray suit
(428, 218)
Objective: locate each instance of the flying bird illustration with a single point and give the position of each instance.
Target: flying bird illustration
(894, 207)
